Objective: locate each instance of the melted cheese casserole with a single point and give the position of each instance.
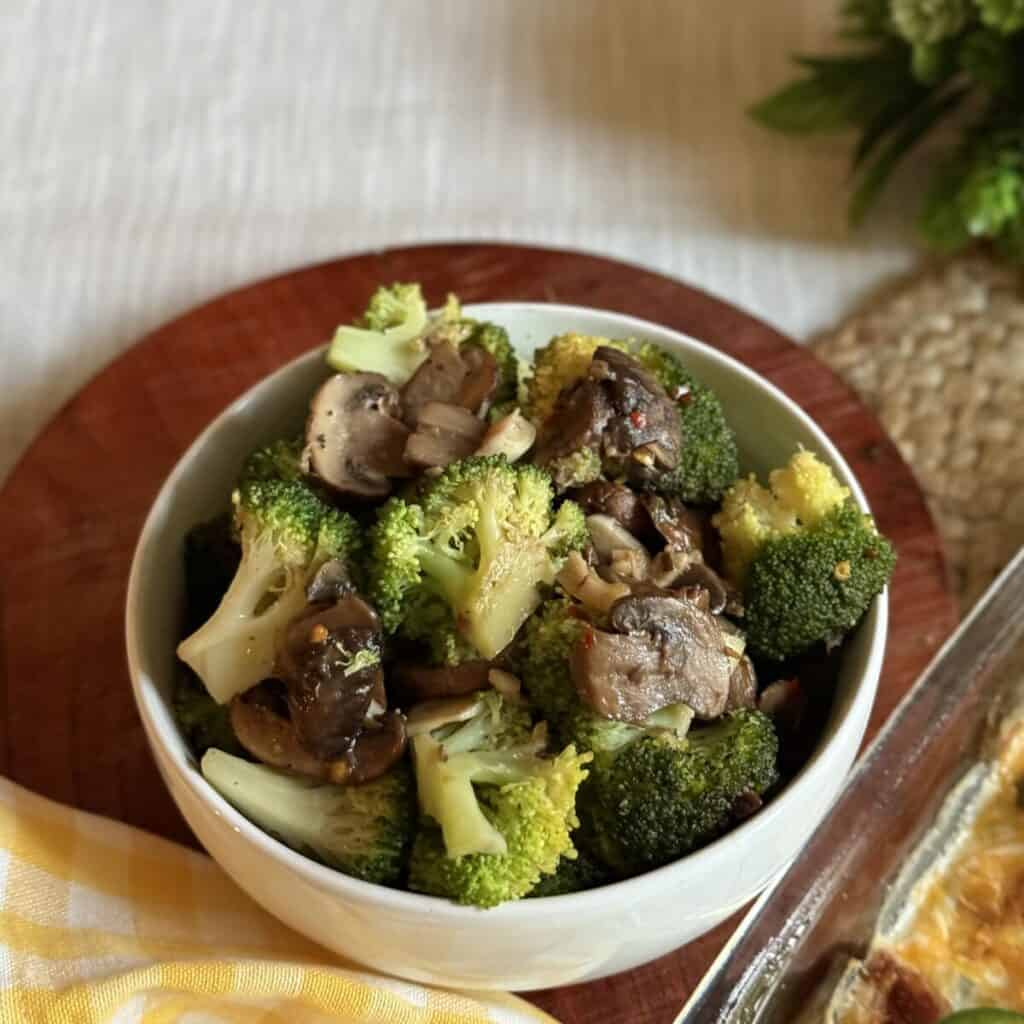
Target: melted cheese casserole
(961, 944)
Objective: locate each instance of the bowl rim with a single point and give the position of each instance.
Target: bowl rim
(158, 719)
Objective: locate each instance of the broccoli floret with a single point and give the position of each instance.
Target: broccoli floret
(495, 340)
(498, 815)
(203, 722)
(815, 584)
(559, 363)
(389, 339)
(212, 554)
(659, 798)
(280, 460)
(483, 539)
(709, 461)
(573, 874)
(577, 469)
(808, 560)
(287, 533)
(364, 831)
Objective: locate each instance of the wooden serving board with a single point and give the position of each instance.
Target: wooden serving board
(71, 512)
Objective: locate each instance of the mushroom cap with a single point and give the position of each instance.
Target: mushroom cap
(355, 438)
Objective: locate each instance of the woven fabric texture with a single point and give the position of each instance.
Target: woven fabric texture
(941, 359)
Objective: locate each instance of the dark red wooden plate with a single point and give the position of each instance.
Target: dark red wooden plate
(72, 509)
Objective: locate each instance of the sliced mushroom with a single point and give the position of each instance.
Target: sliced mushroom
(666, 650)
(444, 434)
(629, 566)
(421, 682)
(259, 718)
(512, 436)
(376, 750)
(624, 505)
(608, 535)
(429, 715)
(785, 703)
(742, 686)
(438, 379)
(582, 582)
(505, 684)
(329, 693)
(746, 805)
(644, 437)
(481, 380)
(668, 566)
(683, 528)
(618, 410)
(330, 583)
(464, 376)
(355, 441)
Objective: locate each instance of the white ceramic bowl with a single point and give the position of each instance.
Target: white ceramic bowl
(532, 943)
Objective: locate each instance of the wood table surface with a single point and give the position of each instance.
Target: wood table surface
(72, 509)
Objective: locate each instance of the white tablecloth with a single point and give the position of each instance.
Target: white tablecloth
(156, 152)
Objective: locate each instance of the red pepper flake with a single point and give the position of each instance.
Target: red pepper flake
(588, 639)
(682, 394)
(638, 419)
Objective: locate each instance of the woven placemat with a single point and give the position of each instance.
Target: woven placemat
(940, 358)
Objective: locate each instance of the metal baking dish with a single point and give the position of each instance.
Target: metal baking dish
(780, 964)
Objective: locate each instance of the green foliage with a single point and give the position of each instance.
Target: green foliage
(364, 831)
(917, 63)
(710, 460)
(814, 585)
(279, 460)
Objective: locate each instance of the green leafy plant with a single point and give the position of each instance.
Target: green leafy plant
(911, 64)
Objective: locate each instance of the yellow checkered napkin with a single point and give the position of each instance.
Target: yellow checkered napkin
(101, 922)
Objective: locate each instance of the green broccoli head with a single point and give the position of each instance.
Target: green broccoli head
(280, 460)
(709, 461)
(661, 797)
(287, 533)
(815, 584)
(573, 874)
(203, 722)
(364, 831)
(483, 539)
(388, 339)
(809, 562)
(495, 340)
(526, 805)
(577, 469)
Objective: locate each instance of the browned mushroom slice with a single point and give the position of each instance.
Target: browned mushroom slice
(577, 422)
(683, 528)
(259, 718)
(354, 439)
(666, 651)
(742, 686)
(644, 437)
(330, 663)
(512, 436)
(378, 747)
(421, 682)
(438, 379)
(444, 434)
(330, 583)
(481, 380)
(605, 498)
